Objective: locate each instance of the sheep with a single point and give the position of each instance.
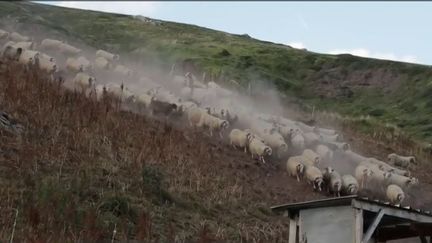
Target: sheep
(311, 158)
(258, 148)
(145, 100)
(276, 142)
(395, 194)
(403, 181)
(24, 45)
(329, 138)
(123, 70)
(363, 174)
(305, 128)
(11, 53)
(214, 123)
(350, 185)
(314, 176)
(325, 131)
(121, 92)
(401, 161)
(337, 145)
(80, 64)
(295, 167)
(311, 139)
(102, 63)
(100, 91)
(28, 57)
(160, 107)
(50, 44)
(212, 85)
(298, 141)
(287, 131)
(3, 34)
(324, 153)
(354, 157)
(239, 138)
(67, 50)
(47, 63)
(84, 82)
(194, 116)
(14, 36)
(332, 180)
(107, 55)
(386, 167)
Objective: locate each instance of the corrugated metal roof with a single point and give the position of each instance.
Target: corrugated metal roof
(344, 201)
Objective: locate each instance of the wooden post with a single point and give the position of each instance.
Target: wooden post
(292, 231)
(358, 225)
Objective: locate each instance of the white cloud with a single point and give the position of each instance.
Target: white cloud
(130, 8)
(362, 52)
(298, 45)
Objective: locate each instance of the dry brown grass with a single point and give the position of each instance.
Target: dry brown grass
(82, 168)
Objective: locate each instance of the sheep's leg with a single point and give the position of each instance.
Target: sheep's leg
(298, 178)
(220, 135)
(233, 145)
(262, 159)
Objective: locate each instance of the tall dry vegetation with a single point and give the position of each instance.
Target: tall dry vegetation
(83, 170)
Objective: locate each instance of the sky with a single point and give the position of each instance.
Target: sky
(398, 31)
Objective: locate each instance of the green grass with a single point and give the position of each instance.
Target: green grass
(245, 59)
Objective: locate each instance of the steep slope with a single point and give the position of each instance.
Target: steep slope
(80, 169)
(392, 92)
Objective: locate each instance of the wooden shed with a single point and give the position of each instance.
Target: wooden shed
(354, 219)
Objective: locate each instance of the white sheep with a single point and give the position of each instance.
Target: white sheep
(386, 167)
(287, 131)
(28, 57)
(80, 64)
(305, 128)
(314, 176)
(326, 131)
(102, 63)
(258, 148)
(324, 153)
(11, 53)
(403, 181)
(3, 34)
(295, 167)
(401, 161)
(84, 82)
(14, 36)
(335, 183)
(194, 116)
(121, 92)
(298, 141)
(47, 63)
(311, 158)
(100, 91)
(214, 124)
(239, 138)
(363, 175)
(107, 55)
(338, 145)
(311, 139)
(50, 44)
(350, 185)
(353, 157)
(67, 49)
(329, 138)
(276, 142)
(24, 45)
(395, 194)
(212, 85)
(145, 100)
(123, 70)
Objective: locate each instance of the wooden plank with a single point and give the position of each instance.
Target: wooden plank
(373, 226)
(292, 231)
(358, 225)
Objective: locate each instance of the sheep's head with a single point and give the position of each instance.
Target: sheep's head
(300, 169)
(352, 189)
(387, 175)
(391, 156)
(224, 125)
(346, 146)
(400, 197)
(412, 160)
(328, 170)
(318, 182)
(412, 181)
(268, 151)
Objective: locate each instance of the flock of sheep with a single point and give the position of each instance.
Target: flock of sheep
(314, 154)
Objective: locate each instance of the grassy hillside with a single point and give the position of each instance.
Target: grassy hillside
(394, 92)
